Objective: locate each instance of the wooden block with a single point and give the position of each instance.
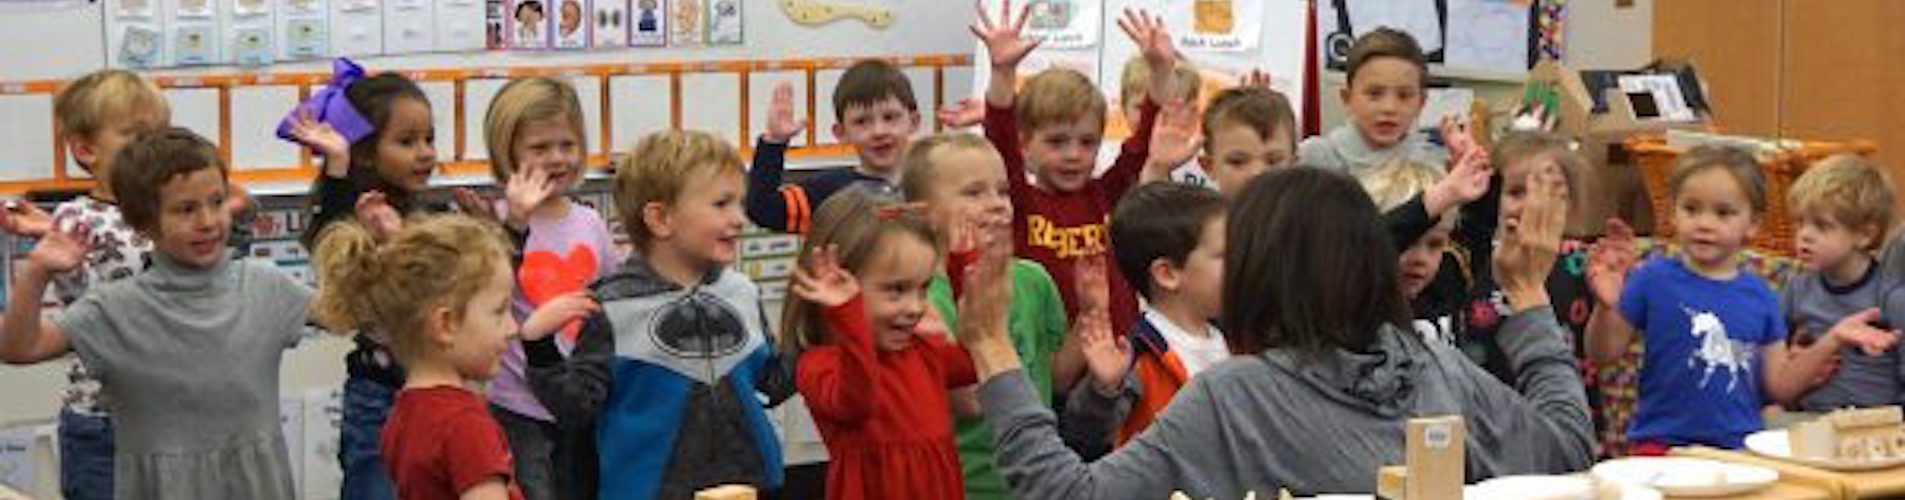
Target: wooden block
(1436, 458)
(1392, 482)
(727, 492)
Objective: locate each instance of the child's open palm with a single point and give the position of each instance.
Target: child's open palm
(555, 314)
(1148, 32)
(983, 309)
(1004, 43)
(965, 113)
(782, 124)
(60, 250)
(1530, 243)
(1175, 138)
(1609, 260)
(822, 281)
(1107, 355)
(377, 216)
(1859, 330)
(323, 140)
(527, 189)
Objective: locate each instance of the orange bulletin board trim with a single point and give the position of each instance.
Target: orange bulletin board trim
(307, 82)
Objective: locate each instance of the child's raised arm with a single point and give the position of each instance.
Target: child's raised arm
(836, 381)
(1609, 261)
(1005, 48)
(325, 141)
(768, 205)
(1792, 372)
(25, 339)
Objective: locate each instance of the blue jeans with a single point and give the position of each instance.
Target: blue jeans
(86, 449)
(366, 406)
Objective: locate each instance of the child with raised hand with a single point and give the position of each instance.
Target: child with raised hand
(441, 286)
(188, 349)
(874, 112)
(377, 140)
(677, 370)
(1052, 129)
(877, 377)
(536, 139)
(1844, 206)
(962, 182)
(1714, 342)
(1169, 239)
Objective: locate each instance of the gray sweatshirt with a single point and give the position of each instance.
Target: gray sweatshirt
(1343, 149)
(1314, 425)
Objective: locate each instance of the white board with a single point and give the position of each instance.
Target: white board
(641, 104)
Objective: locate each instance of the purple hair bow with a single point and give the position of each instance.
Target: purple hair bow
(330, 106)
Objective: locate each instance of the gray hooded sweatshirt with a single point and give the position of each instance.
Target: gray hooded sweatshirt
(1314, 424)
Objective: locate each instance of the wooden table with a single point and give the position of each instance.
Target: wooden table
(1886, 483)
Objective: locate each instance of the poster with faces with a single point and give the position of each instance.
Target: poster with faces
(609, 24)
(461, 25)
(648, 20)
(494, 24)
(571, 29)
(357, 28)
(304, 29)
(528, 24)
(724, 22)
(687, 26)
(1215, 25)
(409, 26)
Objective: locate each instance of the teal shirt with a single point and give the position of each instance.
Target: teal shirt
(1037, 324)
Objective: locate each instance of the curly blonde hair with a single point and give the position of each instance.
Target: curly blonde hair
(434, 261)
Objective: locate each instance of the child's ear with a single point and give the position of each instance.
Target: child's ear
(441, 325)
(1869, 236)
(1204, 162)
(839, 132)
(1164, 276)
(1343, 93)
(83, 152)
(655, 217)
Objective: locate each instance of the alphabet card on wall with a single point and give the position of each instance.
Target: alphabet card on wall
(1065, 24)
(460, 25)
(253, 43)
(357, 28)
(570, 29)
(650, 21)
(1215, 25)
(609, 26)
(195, 40)
(409, 26)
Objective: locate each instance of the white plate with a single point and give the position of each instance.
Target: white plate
(1546, 487)
(1776, 444)
(1687, 477)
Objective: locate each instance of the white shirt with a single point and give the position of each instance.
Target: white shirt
(1196, 353)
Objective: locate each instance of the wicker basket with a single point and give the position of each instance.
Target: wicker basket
(1656, 160)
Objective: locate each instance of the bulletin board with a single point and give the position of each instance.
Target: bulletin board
(626, 91)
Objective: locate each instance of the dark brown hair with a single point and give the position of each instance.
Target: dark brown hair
(153, 160)
(857, 224)
(870, 81)
(1160, 220)
(1386, 42)
(1737, 162)
(1294, 280)
(1265, 111)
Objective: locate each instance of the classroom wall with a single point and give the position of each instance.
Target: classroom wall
(1600, 35)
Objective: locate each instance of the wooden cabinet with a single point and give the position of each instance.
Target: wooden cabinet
(1808, 69)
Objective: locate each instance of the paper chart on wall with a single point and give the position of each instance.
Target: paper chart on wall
(724, 22)
(1415, 17)
(1488, 34)
(410, 27)
(253, 36)
(649, 20)
(1064, 24)
(135, 34)
(1278, 45)
(528, 25)
(688, 25)
(357, 28)
(569, 29)
(303, 30)
(1214, 25)
(610, 24)
(460, 25)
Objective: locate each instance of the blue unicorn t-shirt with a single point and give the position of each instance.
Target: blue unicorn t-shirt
(1700, 377)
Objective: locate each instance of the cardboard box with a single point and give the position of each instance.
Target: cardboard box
(1601, 124)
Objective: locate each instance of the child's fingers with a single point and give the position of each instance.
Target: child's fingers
(1025, 14)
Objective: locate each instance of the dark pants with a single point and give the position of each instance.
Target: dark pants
(86, 448)
(533, 444)
(366, 406)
